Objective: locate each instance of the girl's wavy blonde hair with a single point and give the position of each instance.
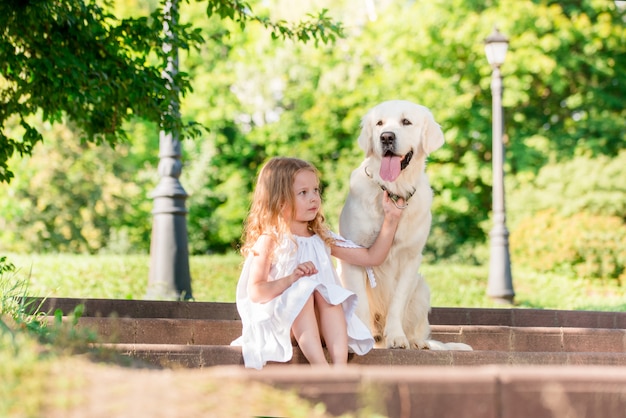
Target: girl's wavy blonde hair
(274, 192)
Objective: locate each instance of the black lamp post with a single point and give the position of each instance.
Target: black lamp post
(169, 254)
(500, 285)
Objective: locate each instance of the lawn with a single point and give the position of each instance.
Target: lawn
(214, 279)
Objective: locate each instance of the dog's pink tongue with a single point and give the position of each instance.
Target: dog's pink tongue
(390, 168)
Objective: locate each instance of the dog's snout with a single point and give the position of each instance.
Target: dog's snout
(387, 138)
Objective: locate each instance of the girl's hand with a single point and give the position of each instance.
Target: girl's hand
(393, 209)
(304, 269)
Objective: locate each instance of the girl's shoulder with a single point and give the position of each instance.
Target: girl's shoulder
(264, 244)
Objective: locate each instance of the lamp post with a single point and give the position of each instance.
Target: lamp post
(500, 286)
(169, 254)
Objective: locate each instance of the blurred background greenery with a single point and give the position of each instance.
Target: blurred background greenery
(564, 109)
(114, 276)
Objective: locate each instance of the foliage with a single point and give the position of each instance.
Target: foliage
(308, 102)
(317, 27)
(22, 371)
(564, 83)
(18, 313)
(577, 226)
(76, 60)
(22, 375)
(77, 198)
(580, 245)
(590, 185)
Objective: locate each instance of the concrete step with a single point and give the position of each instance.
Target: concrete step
(480, 337)
(513, 317)
(129, 308)
(434, 392)
(526, 362)
(201, 356)
(198, 334)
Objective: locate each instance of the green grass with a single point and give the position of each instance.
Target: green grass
(22, 367)
(214, 279)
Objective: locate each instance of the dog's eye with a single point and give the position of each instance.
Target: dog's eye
(405, 122)
(379, 123)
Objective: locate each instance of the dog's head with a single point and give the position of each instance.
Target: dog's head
(398, 132)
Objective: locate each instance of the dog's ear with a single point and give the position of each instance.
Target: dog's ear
(432, 135)
(365, 138)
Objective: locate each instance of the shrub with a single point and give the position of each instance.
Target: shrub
(585, 245)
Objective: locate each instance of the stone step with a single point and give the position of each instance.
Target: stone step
(497, 338)
(201, 356)
(514, 317)
(197, 334)
(434, 392)
(527, 362)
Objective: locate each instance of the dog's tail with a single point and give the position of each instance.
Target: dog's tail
(439, 346)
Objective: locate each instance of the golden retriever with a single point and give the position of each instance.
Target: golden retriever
(397, 137)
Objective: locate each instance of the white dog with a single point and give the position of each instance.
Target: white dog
(396, 136)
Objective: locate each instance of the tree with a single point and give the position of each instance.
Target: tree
(322, 93)
(74, 59)
(77, 197)
(563, 88)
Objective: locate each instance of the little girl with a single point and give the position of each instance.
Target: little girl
(288, 286)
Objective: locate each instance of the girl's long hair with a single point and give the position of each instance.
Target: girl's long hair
(273, 192)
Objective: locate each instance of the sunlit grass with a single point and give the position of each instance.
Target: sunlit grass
(214, 279)
(466, 286)
(22, 367)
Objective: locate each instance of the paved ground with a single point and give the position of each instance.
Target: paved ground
(79, 388)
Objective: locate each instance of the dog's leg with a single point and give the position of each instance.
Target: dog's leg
(394, 331)
(378, 313)
(416, 324)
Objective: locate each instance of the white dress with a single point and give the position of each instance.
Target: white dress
(266, 327)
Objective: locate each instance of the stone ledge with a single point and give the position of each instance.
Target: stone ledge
(201, 356)
(517, 317)
(483, 391)
(480, 337)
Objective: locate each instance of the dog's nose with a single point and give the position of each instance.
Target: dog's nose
(387, 138)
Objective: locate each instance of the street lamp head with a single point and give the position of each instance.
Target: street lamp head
(496, 45)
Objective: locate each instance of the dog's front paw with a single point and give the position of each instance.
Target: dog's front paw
(420, 345)
(399, 341)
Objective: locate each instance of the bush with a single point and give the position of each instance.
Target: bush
(583, 185)
(585, 245)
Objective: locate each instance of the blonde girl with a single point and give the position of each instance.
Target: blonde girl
(288, 286)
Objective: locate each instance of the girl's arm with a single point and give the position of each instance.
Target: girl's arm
(260, 288)
(376, 254)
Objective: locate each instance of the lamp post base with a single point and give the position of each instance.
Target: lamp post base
(170, 278)
(500, 287)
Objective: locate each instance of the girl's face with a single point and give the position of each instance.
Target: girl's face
(307, 196)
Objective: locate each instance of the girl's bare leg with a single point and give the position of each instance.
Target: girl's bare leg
(306, 332)
(334, 329)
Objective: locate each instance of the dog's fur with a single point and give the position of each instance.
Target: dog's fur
(397, 308)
